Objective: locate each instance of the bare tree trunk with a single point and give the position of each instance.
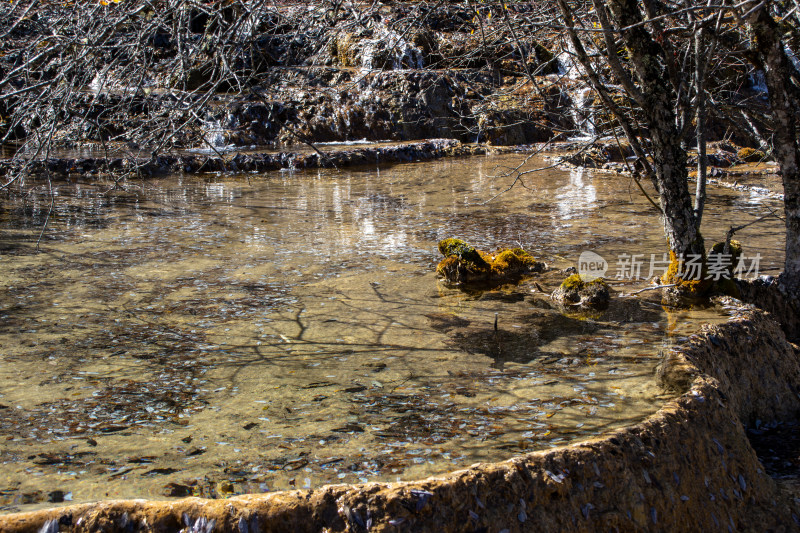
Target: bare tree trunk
(700, 127)
(783, 100)
(669, 157)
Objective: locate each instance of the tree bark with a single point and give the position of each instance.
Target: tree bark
(659, 109)
(700, 127)
(783, 101)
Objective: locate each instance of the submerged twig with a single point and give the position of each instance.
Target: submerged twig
(656, 287)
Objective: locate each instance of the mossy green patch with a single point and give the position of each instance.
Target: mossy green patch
(463, 251)
(575, 283)
(465, 264)
(688, 288)
(751, 155)
(509, 262)
(572, 283)
(735, 248)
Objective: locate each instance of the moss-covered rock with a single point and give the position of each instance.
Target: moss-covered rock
(734, 248)
(463, 251)
(514, 262)
(734, 251)
(574, 290)
(464, 264)
(751, 155)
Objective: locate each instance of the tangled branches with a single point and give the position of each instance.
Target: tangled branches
(133, 74)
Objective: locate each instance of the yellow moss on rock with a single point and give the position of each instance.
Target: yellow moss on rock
(464, 252)
(751, 155)
(572, 283)
(466, 264)
(508, 262)
(686, 288)
(574, 290)
(448, 267)
(705, 285)
(735, 248)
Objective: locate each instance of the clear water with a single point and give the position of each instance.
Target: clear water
(234, 334)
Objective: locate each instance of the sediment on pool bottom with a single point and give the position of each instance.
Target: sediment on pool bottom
(689, 467)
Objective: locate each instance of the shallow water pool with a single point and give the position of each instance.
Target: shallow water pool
(227, 334)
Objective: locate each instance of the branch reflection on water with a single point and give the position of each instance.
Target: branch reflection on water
(186, 339)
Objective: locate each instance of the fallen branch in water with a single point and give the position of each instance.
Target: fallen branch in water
(651, 289)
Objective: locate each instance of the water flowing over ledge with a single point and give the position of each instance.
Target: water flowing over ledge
(255, 161)
(689, 467)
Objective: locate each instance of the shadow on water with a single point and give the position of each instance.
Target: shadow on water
(519, 345)
(223, 334)
(522, 343)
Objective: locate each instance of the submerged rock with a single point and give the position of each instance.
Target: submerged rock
(574, 290)
(464, 265)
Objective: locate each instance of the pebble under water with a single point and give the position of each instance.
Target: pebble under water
(221, 335)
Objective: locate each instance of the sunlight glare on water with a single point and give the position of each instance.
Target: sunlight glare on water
(233, 334)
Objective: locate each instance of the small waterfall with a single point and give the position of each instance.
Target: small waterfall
(214, 134)
(583, 114)
(214, 137)
(388, 49)
(567, 64)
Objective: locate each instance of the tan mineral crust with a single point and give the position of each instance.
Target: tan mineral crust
(689, 467)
